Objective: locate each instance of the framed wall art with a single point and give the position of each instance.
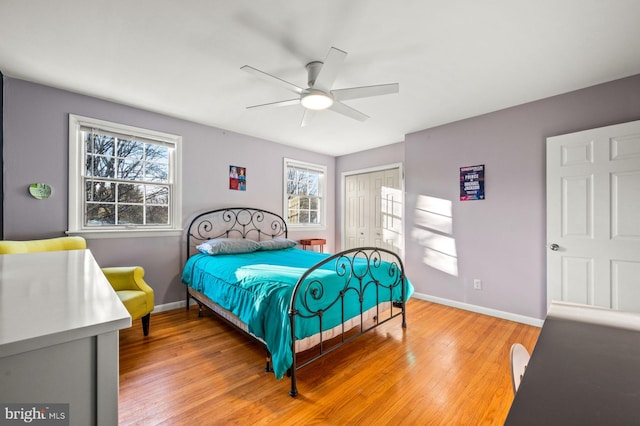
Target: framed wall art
(472, 183)
(237, 178)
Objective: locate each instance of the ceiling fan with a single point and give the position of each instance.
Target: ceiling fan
(319, 95)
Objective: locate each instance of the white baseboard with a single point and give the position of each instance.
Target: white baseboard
(460, 305)
(171, 306)
(481, 310)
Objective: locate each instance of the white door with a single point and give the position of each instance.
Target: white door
(386, 222)
(373, 210)
(356, 211)
(593, 217)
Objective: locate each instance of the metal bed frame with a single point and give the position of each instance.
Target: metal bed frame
(259, 225)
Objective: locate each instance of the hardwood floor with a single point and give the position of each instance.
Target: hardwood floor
(449, 367)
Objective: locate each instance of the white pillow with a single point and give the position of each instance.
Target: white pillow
(228, 246)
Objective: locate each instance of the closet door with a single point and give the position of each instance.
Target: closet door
(356, 214)
(386, 231)
(373, 210)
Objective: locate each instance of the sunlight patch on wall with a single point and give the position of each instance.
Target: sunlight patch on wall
(433, 230)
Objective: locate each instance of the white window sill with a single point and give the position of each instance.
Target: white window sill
(128, 233)
(306, 227)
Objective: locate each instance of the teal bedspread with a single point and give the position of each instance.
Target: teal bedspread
(257, 288)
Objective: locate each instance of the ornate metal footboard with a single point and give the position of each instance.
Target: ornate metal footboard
(367, 273)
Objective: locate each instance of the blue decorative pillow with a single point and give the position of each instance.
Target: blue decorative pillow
(276, 244)
(228, 246)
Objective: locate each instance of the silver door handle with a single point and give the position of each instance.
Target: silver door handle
(554, 247)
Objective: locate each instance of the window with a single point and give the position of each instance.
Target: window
(122, 179)
(304, 202)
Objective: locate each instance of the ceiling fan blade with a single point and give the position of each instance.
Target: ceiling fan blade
(268, 77)
(307, 117)
(365, 91)
(277, 104)
(348, 111)
(329, 71)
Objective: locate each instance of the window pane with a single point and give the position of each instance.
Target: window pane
(88, 165)
(130, 149)
(130, 169)
(303, 182)
(304, 203)
(130, 193)
(293, 182)
(157, 215)
(157, 172)
(104, 145)
(313, 184)
(294, 202)
(314, 203)
(88, 142)
(130, 214)
(157, 194)
(100, 214)
(302, 185)
(103, 166)
(291, 187)
(100, 191)
(313, 217)
(157, 153)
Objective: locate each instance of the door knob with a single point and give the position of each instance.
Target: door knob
(554, 247)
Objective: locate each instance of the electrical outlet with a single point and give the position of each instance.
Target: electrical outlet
(477, 284)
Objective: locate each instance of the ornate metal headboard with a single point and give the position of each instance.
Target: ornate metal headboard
(235, 222)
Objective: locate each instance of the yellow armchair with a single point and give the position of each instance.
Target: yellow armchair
(133, 291)
(128, 282)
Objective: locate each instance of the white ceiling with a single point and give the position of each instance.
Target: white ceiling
(452, 59)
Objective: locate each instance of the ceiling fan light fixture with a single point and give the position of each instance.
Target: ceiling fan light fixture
(316, 100)
(319, 95)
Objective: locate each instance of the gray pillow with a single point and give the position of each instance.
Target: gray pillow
(276, 244)
(228, 246)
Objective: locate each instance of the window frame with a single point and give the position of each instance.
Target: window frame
(322, 170)
(77, 168)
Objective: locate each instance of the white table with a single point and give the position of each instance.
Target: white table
(59, 322)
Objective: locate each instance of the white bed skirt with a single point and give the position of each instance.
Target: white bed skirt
(303, 344)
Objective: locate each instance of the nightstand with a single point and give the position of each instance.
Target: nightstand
(313, 242)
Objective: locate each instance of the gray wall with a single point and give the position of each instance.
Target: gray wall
(500, 240)
(36, 150)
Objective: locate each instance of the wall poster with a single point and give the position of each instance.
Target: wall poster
(472, 183)
(237, 178)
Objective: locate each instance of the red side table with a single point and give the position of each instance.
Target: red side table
(313, 242)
